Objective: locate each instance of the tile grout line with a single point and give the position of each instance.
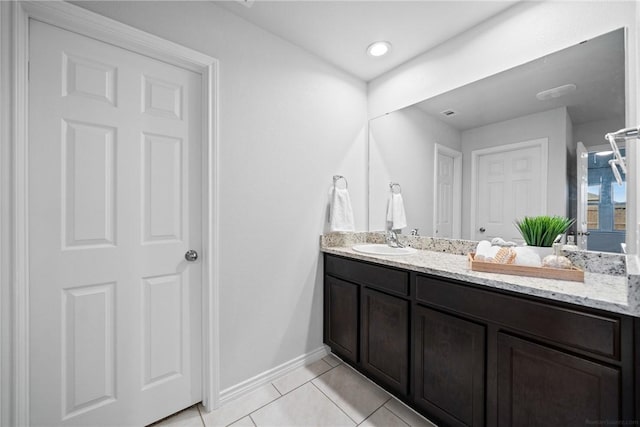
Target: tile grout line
(308, 381)
(248, 414)
(252, 420)
(378, 408)
(281, 396)
(408, 408)
(337, 406)
(201, 417)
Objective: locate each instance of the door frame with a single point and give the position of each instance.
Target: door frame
(457, 188)
(543, 143)
(14, 250)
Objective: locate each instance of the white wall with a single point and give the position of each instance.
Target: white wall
(288, 122)
(401, 149)
(549, 124)
(592, 133)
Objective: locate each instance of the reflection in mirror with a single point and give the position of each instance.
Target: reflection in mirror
(472, 160)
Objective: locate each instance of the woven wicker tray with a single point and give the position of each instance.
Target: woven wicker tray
(574, 274)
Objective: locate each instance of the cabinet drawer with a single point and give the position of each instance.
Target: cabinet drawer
(597, 334)
(375, 276)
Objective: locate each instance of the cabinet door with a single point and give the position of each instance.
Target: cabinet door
(385, 339)
(449, 367)
(540, 386)
(341, 317)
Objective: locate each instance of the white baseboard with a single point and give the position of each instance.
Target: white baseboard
(265, 377)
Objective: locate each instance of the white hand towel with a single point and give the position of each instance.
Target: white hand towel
(396, 218)
(341, 214)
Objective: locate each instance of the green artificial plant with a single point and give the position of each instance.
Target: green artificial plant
(542, 230)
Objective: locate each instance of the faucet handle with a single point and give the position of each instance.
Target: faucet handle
(414, 232)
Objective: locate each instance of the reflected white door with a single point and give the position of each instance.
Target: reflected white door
(114, 204)
(447, 192)
(509, 183)
(582, 156)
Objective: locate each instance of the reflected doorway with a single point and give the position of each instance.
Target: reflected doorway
(606, 204)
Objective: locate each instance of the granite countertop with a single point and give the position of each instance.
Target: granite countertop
(614, 293)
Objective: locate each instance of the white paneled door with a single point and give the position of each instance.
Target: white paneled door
(447, 200)
(510, 182)
(114, 205)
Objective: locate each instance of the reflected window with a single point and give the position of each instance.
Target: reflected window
(593, 207)
(606, 204)
(619, 198)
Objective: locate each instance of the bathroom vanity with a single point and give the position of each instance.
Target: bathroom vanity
(474, 349)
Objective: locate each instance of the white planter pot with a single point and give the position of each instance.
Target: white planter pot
(543, 251)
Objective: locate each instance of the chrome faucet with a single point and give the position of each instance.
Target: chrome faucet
(392, 239)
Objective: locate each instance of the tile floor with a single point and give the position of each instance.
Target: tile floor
(324, 393)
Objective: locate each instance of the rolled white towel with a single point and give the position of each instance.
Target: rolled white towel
(498, 241)
(482, 250)
(527, 257)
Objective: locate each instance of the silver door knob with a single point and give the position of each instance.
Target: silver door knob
(482, 229)
(191, 255)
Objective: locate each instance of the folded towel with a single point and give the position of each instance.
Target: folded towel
(396, 218)
(341, 213)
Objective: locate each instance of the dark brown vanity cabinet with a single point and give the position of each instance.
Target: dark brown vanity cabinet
(470, 355)
(449, 367)
(367, 314)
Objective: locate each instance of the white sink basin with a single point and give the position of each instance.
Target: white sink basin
(382, 249)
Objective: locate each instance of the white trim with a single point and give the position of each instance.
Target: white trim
(457, 189)
(543, 143)
(84, 22)
(247, 386)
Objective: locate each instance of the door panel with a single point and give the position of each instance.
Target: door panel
(341, 318)
(385, 338)
(447, 192)
(508, 186)
(114, 203)
(540, 386)
(449, 367)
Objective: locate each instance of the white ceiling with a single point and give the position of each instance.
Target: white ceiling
(340, 31)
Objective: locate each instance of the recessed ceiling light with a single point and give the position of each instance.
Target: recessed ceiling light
(556, 92)
(379, 48)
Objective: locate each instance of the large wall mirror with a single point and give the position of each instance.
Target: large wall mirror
(472, 160)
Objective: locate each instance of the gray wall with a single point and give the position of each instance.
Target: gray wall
(288, 121)
(549, 124)
(402, 148)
